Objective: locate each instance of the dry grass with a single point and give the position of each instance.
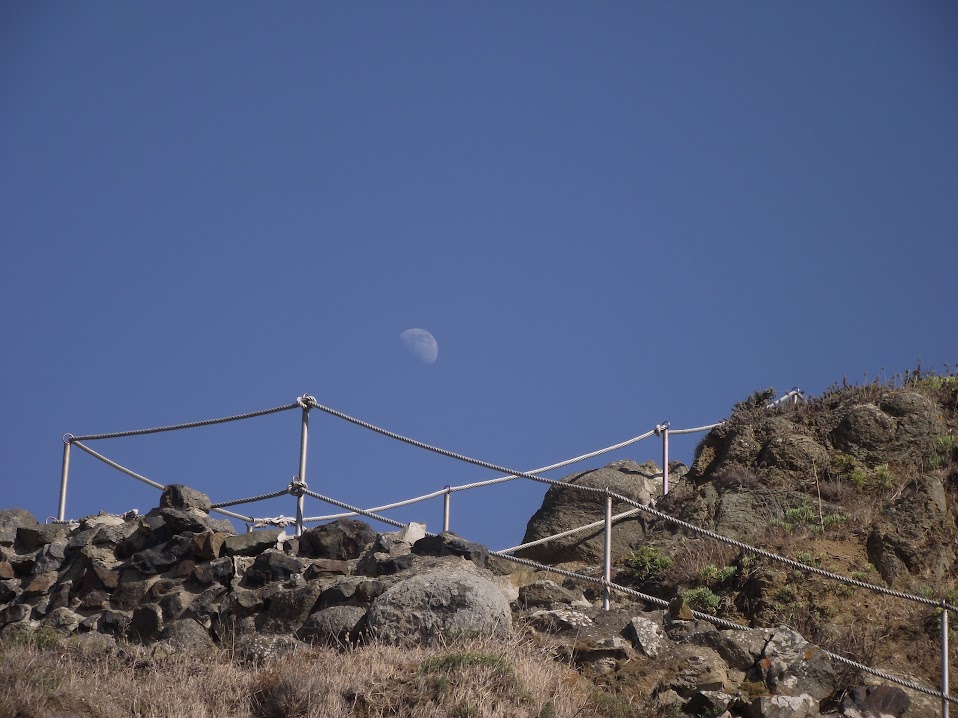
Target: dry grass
(474, 678)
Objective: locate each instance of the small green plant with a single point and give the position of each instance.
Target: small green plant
(645, 562)
(702, 599)
(785, 595)
(800, 515)
(780, 525)
(884, 478)
(946, 451)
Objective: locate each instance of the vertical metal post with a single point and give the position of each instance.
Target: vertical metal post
(607, 568)
(663, 429)
(445, 509)
(303, 440)
(64, 476)
(944, 658)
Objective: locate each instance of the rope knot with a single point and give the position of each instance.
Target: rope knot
(660, 428)
(297, 488)
(306, 401)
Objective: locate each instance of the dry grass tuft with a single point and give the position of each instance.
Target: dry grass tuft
(471, 678)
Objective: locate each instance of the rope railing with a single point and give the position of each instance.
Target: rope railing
(299, 489)
(717, 621)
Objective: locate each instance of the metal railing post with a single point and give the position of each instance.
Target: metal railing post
(445, 508)
(64, 477)
(944, 658)
(607, 568)
(304, 401)
(663, 430)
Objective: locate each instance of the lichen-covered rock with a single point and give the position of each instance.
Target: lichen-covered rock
(449, 599)
(566, 508)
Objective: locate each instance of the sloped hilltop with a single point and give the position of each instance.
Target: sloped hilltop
(860, 482)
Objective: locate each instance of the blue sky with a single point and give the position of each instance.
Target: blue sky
(608, 215)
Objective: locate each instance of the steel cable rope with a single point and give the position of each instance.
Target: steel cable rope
(150, 482)
(188, 425)
(261, 497)
(782, 559)
(501, 479)
(723, 623)
(652, 512)
(348, 507)
(570, 532)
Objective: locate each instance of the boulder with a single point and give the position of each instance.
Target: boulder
(333, 626)
(875, 702)
(792, 665)
(448, 599)
(449, 544)
(343, 539)
(11, 520)
(187, 635)
(645, 632)
(273, 565)
(177, 496)
(566, 508)
(288, 610)
(250, 544)
(31, 538)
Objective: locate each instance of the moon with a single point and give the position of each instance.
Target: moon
(421, 344)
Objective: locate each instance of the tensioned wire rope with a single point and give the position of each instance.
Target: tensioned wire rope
(645, 509)
(721, 622)
(309, 402)
(188, 425)
(489, 482)
(582, 577)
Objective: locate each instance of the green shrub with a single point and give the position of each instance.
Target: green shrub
(646, 562)
(702, 599)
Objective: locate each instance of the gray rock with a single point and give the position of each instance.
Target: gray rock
(875, 702)
(187, 635)
(645, 632)
(14, 613)
(11, 520)
(566, 508)
(795, 452)
(250, 544)
(343, 539)
(177, 496)
(288, 610)
(545, 593)
(448, 599)
(31, 538)
(697, 669)
(864, 428)
(50, 557)
(792, 665)
(219, 570)
(560, 620)
(449, 544)
(273, 565)
(332, 626)
(146, 622)
(783, 706)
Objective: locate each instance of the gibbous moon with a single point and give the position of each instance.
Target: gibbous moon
(421, 344)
